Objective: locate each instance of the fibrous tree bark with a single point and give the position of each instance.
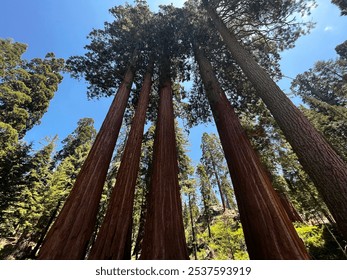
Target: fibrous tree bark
(69, 236)
(113, 236)
(288, 206)
(324, 166)
(164, 231)
(269, 234)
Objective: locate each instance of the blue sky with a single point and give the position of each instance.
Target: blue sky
(62, 26)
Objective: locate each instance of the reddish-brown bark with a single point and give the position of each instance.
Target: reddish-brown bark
(288, 206)
(324, 166)
(164, 231)
(116, 228)
(269, 234)
(69, 236)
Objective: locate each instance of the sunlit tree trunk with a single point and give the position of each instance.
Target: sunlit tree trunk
(69, 235)
(112, 241)
(164, 231)
(269, 233)
(324, 166)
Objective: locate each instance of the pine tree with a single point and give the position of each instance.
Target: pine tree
(324, 89)
(188, 190)
(26, 88)
(21, 218)
(45, 188)
(68, 162)
(214, 163)
(207, 196)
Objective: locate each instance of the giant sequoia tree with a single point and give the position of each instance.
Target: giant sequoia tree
(114, 237)
(178, 41)
(253, 188)
(61, 242)
(321, 162)
(164, 232)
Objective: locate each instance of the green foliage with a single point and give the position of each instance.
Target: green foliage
(227, 240)
(142, 189)
(43, 189)
(33, 187)
(312, 235)
(185, 167)
(113, 48)
(342, 50)
(324, 89)
(321, 241)
(22, 215)
(216, 169)
(26, 87)
(15, 163)
(286, 173)
(82, 135)
(265, 28)
(208, 197)
(324, 82)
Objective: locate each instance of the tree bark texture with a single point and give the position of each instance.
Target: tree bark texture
(164, 237)
(288, 206)
(324, 166)
(269, 234)
(69, 236)
(113, 235)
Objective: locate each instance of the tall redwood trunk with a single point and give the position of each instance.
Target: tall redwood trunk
(69, 236)
(324, 166)
(114, 233)
(269, 234)
(164, 231)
